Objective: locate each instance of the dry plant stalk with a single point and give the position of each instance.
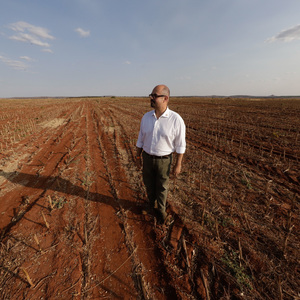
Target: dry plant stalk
(286, 240)
(203, 216)
(99, 283)
(28, 277)
(85, 235)
(43, 164)
(37, 242)
(46, 223)
(50, 202)
(217, 229)
(240, 252)
(204, 280)
(186, 254)
(57, 181)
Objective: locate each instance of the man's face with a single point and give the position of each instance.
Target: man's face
(157, 98)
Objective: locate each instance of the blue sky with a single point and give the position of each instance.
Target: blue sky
(126, 47)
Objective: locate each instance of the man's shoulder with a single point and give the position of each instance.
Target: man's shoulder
(175, 114)
(148, 114)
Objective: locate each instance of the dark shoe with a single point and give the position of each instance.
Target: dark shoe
(160, 217)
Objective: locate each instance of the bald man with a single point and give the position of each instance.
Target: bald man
(162, 133)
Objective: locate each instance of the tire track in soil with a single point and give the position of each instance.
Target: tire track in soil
(75, 259)
(104, 231)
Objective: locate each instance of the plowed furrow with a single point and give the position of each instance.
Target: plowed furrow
(105, 249)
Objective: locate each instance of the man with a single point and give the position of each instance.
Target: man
(162, 132)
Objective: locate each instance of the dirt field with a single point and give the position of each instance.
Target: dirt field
(70, 202)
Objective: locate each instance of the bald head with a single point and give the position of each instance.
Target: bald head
(162, 89)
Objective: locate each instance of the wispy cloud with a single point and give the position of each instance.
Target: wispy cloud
(47, 50)
(26, 58)
(127, 62)
(23, 37)
(287, 35)
(15, 64)
(29, 33)
(83, 33)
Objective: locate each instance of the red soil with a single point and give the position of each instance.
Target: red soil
(70, 203)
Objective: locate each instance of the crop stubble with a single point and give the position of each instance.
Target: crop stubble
(69, 163)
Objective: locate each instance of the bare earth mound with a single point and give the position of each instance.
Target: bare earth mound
(70, 202)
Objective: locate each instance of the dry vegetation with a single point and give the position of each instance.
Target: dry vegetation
(70, 196)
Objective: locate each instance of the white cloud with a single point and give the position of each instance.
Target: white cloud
(15, 64)
(26, 58)
(127, 62)
(287, 35)
(23, 37)
(28, 33)
(35, 30)
(47, 50)
(82, 32)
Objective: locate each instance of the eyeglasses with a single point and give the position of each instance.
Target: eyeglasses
(154, 96)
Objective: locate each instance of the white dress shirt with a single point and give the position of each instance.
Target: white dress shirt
(162, 136)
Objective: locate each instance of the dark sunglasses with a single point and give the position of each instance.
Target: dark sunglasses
(154, 96)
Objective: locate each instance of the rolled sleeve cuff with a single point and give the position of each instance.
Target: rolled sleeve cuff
(139, 144)
(180, 150)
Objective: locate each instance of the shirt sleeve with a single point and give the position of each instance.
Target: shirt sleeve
(180, 143)
(140, 140)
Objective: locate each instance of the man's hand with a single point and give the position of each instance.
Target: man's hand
(177, 168)
(138, 158)
(138, 162)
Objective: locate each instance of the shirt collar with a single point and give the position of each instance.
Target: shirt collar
(164, 115)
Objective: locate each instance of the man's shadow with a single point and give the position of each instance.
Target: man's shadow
(58, 184)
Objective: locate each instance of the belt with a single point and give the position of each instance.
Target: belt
(158, 157)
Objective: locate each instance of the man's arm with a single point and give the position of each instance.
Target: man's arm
(139, 157)
(180, 146)
(178, 163)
